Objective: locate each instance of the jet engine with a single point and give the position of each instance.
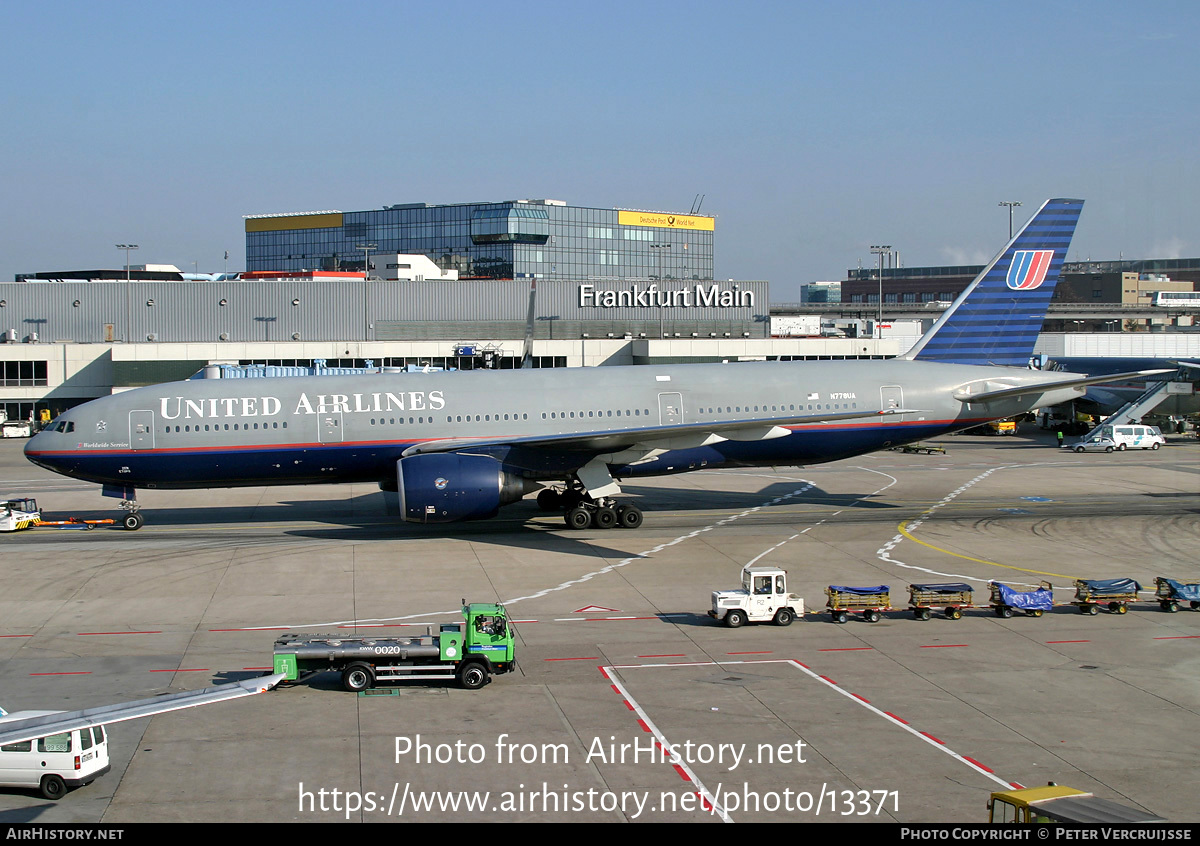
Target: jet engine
(443, 487)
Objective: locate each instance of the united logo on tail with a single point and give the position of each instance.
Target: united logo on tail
(996, 320)
(1028, 269)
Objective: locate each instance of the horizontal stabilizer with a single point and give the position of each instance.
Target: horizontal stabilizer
(993, 395)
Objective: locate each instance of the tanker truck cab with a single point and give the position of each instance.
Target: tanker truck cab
(54, 763)
(470, 652)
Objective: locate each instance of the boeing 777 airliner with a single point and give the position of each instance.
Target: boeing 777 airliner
(459, 445)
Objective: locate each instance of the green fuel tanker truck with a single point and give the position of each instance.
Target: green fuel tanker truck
(470, 652)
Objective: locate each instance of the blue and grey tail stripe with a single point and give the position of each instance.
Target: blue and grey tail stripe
(998, 318)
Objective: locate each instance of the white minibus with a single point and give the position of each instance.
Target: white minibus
(56, 762)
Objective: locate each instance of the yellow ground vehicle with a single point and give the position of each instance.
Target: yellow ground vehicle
(1002, 427)
(1053, 803)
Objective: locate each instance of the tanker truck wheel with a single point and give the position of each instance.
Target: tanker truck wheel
(473, 676)
(358, 677)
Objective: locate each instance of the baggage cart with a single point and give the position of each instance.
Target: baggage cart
(928, 449)
(869, 600)
(1171, 594)
(1090, 594)
(951, 598)
(1005, 600)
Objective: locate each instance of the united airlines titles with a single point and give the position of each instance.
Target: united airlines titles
(173, 408)
(651, 296)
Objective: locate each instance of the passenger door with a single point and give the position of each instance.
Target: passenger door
(331, 427)
(670, 409)
(141, 430)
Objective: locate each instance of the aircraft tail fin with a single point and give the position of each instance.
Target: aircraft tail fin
(997, 318)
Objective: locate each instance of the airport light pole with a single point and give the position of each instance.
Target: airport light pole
(128, 301)
(880, 250)
(1011, 204)
(366, 248)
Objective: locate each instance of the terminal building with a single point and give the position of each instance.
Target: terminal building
(515, 239)
(1125, 282)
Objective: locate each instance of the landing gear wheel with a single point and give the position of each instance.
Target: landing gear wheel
(549, 500)
(735, 619)
(133, 521)
(358, 677)
(53, 787)
(579, 517)
(604, 518)
(629, 516)
(473, 676)
(783, 617)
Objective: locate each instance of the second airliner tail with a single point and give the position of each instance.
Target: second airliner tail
(996, 320)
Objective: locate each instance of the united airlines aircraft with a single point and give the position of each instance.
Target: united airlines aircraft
(458, 446)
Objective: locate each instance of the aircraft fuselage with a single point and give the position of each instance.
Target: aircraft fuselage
(301, 430)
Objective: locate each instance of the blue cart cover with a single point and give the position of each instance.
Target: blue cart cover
(859, 590)
(1111, 587)
(1033, 600)
(951, 588)
(1181, 591)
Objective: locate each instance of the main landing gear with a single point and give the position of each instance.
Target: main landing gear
(581, 511)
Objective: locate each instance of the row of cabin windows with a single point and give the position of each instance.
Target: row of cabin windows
(564, 415)
(488, 418)
(812, 406)
(228, 427)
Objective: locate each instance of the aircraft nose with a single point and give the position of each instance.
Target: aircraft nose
(38, 445)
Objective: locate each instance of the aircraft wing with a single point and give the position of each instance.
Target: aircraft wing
(675, 436)
(991, 395)
(17, 730)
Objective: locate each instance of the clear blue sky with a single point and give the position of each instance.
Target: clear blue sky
(813, 129)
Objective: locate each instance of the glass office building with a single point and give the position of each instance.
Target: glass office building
(544, 239)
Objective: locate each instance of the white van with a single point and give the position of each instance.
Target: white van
(1134, 437)
(56, 762)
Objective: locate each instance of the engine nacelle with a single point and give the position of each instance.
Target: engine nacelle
(442, 487)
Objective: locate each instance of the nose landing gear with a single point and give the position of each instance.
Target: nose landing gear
(134, 519)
